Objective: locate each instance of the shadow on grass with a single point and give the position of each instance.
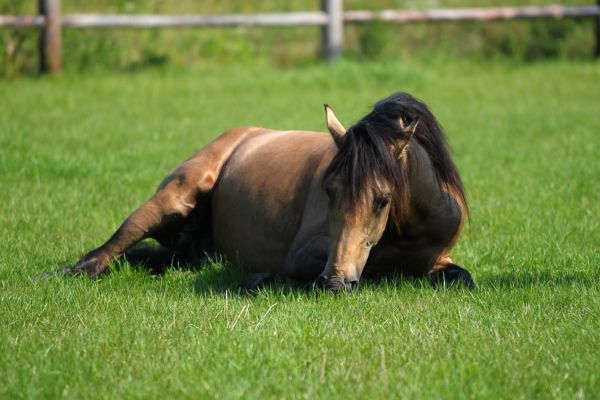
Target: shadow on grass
(216, 277)
(221, 278)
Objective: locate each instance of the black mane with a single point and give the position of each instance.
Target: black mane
(368, 152)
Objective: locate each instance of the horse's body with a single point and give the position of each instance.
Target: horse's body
(268, 203)
(257, 196)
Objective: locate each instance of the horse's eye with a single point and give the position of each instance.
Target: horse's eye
(381, 203)
(329, 192)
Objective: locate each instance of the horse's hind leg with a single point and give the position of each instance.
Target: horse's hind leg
(175, 199)
(170, 205)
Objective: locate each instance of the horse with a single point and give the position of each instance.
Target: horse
(383, 197)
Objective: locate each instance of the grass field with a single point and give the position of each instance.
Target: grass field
(79, 153)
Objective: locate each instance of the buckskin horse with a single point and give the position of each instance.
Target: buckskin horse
(382, 197)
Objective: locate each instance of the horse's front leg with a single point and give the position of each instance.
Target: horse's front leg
(308, 262)
(303, 265)
(170, 204)
(445, 272)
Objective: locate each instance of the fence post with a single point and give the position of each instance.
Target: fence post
(598, 31)
(49, 46)
(333, 32)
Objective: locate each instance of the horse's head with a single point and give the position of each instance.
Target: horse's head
(365, 184)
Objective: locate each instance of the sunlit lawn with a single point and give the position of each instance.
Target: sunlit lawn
(79, 153)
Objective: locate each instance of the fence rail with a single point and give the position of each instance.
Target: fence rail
(332, 19)
(473, 14)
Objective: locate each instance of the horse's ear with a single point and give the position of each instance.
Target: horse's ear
(335, 127)
(410, 131)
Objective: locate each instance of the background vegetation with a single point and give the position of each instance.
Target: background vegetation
(85, 50)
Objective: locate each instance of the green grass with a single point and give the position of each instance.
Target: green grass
(77, 154)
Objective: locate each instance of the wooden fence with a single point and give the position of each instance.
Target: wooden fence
(331, 18)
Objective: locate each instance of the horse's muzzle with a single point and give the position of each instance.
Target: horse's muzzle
(336, 284)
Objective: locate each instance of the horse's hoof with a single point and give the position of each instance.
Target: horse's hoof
(65, 271)
(91, 268)
(71, 271)
(454, 275)
(256, 281)
(44, 276)
(92, 265)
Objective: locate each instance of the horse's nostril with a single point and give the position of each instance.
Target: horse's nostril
(321, 281)
(331, 284)
(352, 284)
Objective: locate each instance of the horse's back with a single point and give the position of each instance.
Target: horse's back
(206, 164)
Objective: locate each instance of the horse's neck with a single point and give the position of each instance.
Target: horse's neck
(425, 194)
(424, 185)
